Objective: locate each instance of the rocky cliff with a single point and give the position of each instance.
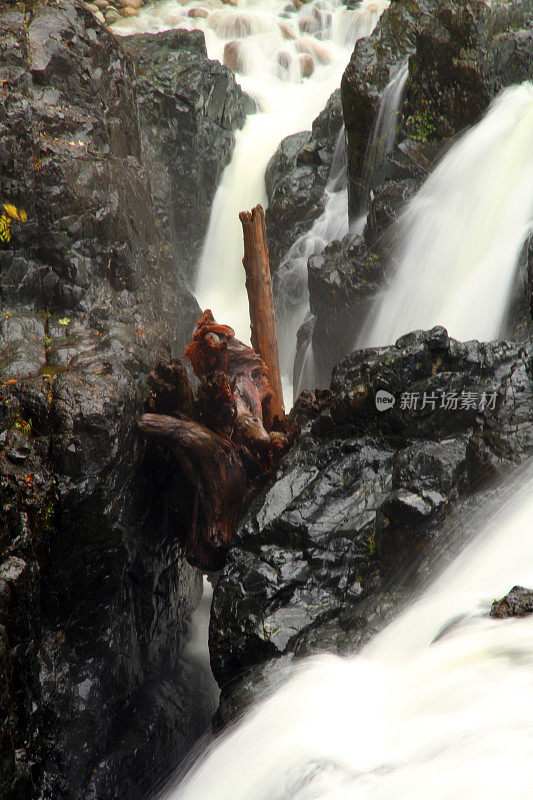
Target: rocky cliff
(95, 593)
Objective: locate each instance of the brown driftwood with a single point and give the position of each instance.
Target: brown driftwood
(212, 465)
(261, 304)
(234, 389)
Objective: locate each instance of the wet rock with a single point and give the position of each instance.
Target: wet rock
(517, 603)
(128, 12)
(295, 180)
(375, 60)
(189, 108)
(334, 545)
(93, 581)
(306, 64)
(343, 280)
(460, 54)
(233, 56)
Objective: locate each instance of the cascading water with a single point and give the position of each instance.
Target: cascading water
(291, 285)
(462, 234)
(270, 48)
(292, 296)
(416, 715)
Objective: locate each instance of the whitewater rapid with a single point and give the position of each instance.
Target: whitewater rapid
(461, 236)
(410, 717)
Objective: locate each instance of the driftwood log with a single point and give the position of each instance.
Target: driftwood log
(232, 434)
(218, 439)
(215, 469)
(261, 305)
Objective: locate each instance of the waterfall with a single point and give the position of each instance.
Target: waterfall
(287, 105)
(268, 45)
(462, 234)
(416, 715)
(197, 648)
(292, 296)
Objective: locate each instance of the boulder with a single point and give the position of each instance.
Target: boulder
(345, 530)
(189, 110)
(518, 603)
(295, 180)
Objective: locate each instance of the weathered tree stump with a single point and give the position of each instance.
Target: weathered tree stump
(237, 432)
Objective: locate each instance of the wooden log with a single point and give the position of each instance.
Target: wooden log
(261, 304)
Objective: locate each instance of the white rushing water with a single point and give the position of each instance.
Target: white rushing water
(292, 294)
(197, 648)
(462, 234)
(270, 47)
(291, 287)
(409, 718)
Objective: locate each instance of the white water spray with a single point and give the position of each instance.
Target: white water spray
(462, 234)
(411, 717)
(291, 286)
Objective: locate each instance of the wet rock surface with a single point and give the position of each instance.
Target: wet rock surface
(517, 603)
(95, 592)
(296, 177)
(337, 542)
(189, 108)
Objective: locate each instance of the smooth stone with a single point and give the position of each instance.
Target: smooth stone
(198, 13)
(284, 59)
(128, 12)
(91, 7)
(101, 5)
(99, 16)
(130, 3)
(307, 65)
(111, 15)
(287, 31)
(238, 25)
(233, 56)
(309, 25)
(321, 53)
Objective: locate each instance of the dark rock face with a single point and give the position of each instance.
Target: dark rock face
(95, 592)
(374, 62)
(517, 603)
(296, 177)
(189, 109)
(336, 542)
(461, 54)
(343, 281)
